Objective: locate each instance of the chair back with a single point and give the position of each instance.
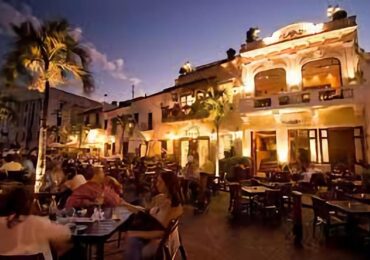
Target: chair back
(38, 256)
(296, 177)
(280, 176)
(286, 189)
(321, 209)
(16, 175)
(318, 179)
(170, 242)
(234, 190)
(273, 198)
(346, 187)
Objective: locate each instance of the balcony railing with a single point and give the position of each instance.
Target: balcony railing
(177, 113)
(304, 98)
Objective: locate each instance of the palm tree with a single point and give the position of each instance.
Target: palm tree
(43, 57)
(217, 103)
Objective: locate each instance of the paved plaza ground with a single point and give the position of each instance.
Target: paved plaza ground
(215, 235)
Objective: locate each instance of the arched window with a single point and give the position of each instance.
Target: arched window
(270, 82)
(322, 73)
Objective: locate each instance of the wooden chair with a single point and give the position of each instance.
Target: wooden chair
(286, 196)
(324, 215)
(18, 176)
(38, 256)
(318, 180)
(171, 243)
(270, 205)
(237, 202)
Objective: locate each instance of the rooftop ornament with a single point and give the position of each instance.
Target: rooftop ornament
(252, 34)
(186, 68)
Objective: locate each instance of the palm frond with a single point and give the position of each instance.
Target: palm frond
(46, 53)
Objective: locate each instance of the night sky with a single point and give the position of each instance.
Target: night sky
(145, 42)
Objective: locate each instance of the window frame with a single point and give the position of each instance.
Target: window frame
(150, 121)
(285, 89)
(189, 99)
(321, 138)
(327, 58)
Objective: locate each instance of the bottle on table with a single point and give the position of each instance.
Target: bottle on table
(53, 209)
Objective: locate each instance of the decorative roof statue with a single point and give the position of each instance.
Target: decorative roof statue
(186, 68)
(230, 54)
(252, 34)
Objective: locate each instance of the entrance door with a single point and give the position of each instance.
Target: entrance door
(264, 151)
(341, 147)
(203, 150)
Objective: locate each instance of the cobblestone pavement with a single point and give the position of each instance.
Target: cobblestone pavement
(214, 235)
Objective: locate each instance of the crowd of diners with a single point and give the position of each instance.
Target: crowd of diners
(87, 183)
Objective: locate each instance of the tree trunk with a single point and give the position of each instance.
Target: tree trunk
(41, 158)
(217, 168)
(121, 141)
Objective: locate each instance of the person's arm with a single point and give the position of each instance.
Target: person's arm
(146, 234)
(59, 236)
(132, 208)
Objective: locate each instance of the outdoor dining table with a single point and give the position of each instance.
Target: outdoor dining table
(274, 184)
(252, 191)
(340, 180)
(353, 209)
(98, 232)
(362, 197)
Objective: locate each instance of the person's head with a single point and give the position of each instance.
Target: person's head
(9, 157)
(167, 183)
(18, 201)
(70, 172)
(244, 162)
(99, 175)
(190, 158)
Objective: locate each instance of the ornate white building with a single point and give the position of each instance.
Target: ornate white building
(304, 89)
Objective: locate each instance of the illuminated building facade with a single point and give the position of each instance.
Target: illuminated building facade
(303, 90)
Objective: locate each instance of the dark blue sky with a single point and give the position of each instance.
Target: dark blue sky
(155, 37)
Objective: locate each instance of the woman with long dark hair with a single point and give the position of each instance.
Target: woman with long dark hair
(25, 234)
(147, 225)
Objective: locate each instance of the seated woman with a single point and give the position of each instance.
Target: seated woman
(113, 184)
(73, 181)
(148, 225)
(94, 192)
(26, 234)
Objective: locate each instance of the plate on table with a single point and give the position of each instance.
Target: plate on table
(81, 220)
(80, 228)
(71, 226)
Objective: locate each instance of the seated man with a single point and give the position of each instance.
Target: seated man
(94, 192)
(240, 171)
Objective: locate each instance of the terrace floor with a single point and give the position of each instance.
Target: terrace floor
(215, 235)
